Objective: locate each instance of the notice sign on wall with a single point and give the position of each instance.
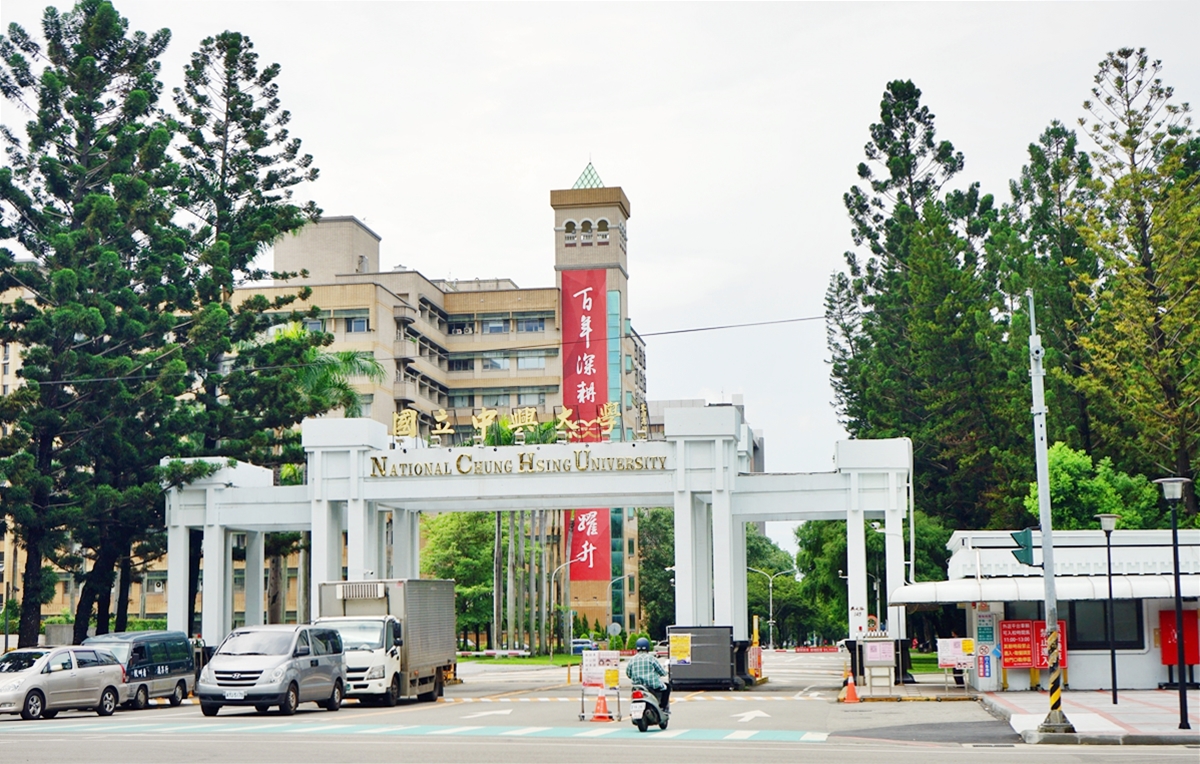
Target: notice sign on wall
(1016, 644)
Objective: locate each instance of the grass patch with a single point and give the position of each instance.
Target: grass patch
(924, 663)
(532, 660)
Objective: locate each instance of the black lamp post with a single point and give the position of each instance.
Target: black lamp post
(1173, 492)
(1108, 523)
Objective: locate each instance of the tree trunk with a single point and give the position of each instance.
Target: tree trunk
(103, 608)
(522, 640)
(497, 591)
(544, 589)
(532, 586)
(195, 552)
(568, 517)
(97, 591)
(275, 589)
(31, 580)
(510, 599)
(125, 582)
(304, 579)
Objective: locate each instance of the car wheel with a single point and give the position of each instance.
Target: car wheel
(335, 700)
(34, 706)
(108, 702)
(392, 696)
(50, 714)
(180, 693)
(141, 698)
(291, 699)
(209, 709)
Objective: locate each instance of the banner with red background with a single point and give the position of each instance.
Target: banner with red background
(585, 389)
(585, 346)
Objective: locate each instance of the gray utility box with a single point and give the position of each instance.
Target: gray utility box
(713, 663)
(414, 641)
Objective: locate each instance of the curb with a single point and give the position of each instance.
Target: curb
(1033, 737)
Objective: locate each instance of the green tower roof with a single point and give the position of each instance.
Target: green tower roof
(589, 178)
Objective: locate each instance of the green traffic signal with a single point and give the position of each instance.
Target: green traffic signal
(1024, 550)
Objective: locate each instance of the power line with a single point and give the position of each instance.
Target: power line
(539, 346)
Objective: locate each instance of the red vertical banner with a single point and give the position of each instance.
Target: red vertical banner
(1042, 658)
(585, 390)
(1016, 644)
(585, 347)
(591, 545)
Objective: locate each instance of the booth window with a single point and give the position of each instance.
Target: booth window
(1088, 619)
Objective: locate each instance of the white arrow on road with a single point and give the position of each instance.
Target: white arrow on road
(756, 714)
(505, 712)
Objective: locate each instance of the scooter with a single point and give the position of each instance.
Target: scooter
(644, 709)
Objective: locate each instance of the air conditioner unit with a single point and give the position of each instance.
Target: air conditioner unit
(158, 586)
(458, 331)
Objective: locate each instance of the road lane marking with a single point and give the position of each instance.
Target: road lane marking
(669, 734)
(599, 732)
(499, 712)
(526, 731)
(453, 730)
(814, 737)
(740, 735)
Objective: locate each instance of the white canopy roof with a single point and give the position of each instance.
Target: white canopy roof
(1031, 588)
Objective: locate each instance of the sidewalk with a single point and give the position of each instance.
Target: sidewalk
(1142, 717)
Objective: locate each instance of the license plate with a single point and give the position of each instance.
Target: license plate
(637, 709)
(235, 695)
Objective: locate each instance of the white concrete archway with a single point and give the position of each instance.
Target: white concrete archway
(356, 479)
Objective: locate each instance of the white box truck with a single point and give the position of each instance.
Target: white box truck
(398, 636)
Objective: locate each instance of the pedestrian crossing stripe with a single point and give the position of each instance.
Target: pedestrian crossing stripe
(697, 699)
(614, 732)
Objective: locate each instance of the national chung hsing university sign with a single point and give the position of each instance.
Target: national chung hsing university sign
(455, 462)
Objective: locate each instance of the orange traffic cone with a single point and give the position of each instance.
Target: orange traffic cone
(600, 713)
(851, 692)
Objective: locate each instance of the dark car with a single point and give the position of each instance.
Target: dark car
(158, 664)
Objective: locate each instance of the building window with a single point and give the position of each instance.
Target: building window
(531, 324)
(531, 359)
(356, 325)
(462, 364)
(496, 361)
(5, 372)
(1088, 621)
(314, 325)
(5, 351)
(364, 404)
(462, 327)
(462, 401)
(495, 400)
(495, 326)
(531, 399)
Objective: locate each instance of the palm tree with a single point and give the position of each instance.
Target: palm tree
(325, 377)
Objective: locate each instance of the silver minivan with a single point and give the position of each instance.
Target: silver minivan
(38, 682)
(284, 666)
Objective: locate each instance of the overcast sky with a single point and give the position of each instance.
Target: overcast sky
(734, 129)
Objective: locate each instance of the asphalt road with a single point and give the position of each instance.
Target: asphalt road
(519, 714)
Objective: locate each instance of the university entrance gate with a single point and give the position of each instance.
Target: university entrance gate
(357, 479)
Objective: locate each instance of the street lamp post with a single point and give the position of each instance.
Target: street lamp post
(1173, 492)
(771, 600)
(1108, 523)
(568, 627)
(610, 601)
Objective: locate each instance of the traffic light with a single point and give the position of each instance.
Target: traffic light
(1024, 550)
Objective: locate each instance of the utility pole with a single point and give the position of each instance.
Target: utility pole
(1056, 720)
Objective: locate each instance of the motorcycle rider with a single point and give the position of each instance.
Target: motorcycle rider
(644, 669)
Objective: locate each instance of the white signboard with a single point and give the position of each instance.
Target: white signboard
(598, 665)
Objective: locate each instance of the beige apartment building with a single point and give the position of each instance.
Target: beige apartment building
(452, 348)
